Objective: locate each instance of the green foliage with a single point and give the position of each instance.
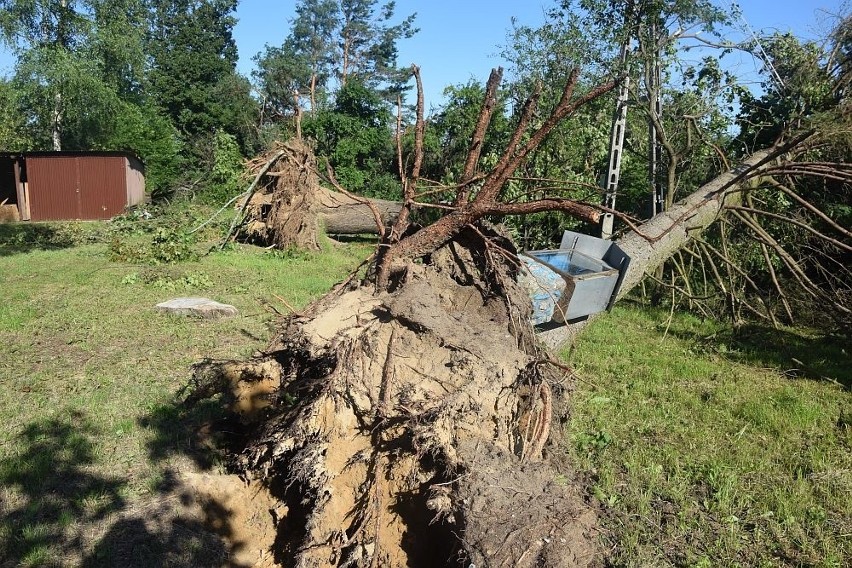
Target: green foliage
(806, 88)
(355, 138)
(77, 62)
(50, 78)
(589, 35)
(281, 73)
(35, 236)
(13, 134)
(304, 63)
(227, 172)
(368, 44)
(332, 43)
(145, 131)
(170, 246)
(452, 127)
(193, 61)
(166, 246)
(189, 281)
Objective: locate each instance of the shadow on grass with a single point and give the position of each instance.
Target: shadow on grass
(19, 238)
(48, 490)
(171, 527)
(56, 509)
(795, 353)
(197, 433)
(164, 531)
(355, 239)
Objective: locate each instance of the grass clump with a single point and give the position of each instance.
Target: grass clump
(709, 447)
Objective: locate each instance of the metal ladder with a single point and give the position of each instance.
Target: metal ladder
(616, 149)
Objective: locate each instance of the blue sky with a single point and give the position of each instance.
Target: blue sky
(460, 39)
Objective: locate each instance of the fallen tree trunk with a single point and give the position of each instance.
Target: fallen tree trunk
(290, 207)
(655, 241)
(345, 215)
(337, 213)
(658, 239)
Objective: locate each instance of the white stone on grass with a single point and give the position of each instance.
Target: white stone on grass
(200, 307)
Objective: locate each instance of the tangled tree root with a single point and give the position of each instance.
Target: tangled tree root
(290, 208)
(407, 428)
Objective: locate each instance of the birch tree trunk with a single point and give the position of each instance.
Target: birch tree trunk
(657, 240)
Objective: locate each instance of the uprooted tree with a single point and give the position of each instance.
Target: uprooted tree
(404, 418)
(286, 207)
(410, 416)
(414, 405)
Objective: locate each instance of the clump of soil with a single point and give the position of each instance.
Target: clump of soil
(410, 427)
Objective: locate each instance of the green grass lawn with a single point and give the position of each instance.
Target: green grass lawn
(707, 448)
(89, 371)
(704, 447)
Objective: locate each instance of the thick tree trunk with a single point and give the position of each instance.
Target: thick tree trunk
(657, 240)
(341, 214)
(669, 231)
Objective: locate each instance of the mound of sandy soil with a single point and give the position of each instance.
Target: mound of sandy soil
(411, 427)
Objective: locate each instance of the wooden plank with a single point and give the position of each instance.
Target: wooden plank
(27, 200)
(21, 190)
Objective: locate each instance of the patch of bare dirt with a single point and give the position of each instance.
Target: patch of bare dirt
(411, 427)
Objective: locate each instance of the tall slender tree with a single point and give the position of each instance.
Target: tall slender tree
(303, 64)
(330, 42)
(367, 43)
(312, 40)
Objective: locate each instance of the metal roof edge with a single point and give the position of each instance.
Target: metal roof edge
(66, 153)
(76, 153)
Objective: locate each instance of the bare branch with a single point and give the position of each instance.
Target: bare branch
(409, 185)
(813, 209)
(419, 128)
(495, 181)
(799, 224)
(485, 114)
(574, 208)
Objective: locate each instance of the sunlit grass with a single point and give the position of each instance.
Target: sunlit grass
(700, 459)
(88, 364)
(704, 447)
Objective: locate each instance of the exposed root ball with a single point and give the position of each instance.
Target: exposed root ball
(290, 207)
(408, 427)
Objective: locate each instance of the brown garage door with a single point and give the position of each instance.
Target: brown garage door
(102, 187)
(76, 187)
(54, 188)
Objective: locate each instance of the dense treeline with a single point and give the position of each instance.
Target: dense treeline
(159, 77)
